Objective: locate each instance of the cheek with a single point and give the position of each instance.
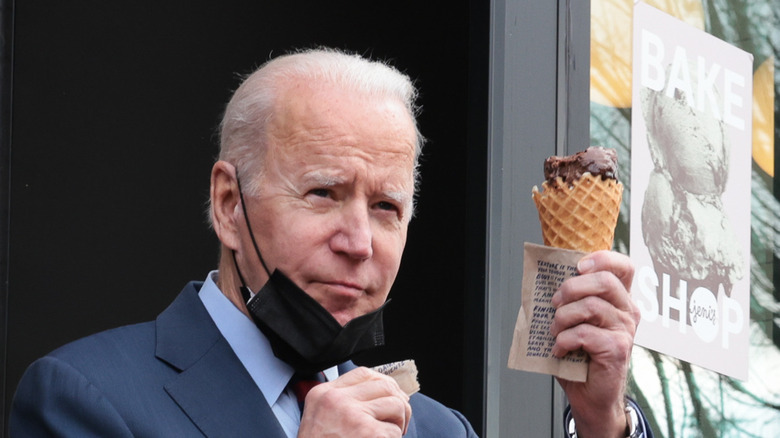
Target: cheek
(289, 236)
(301, 240)
(388, 249)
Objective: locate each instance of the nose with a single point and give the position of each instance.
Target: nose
(353, 236)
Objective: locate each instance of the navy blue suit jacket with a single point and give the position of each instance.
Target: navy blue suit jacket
(172, 377)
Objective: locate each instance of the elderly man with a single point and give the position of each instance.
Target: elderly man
(311, 199)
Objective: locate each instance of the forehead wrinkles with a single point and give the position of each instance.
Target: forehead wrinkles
(375, 131)
(303, 151)
(347, 124)
(347, 149)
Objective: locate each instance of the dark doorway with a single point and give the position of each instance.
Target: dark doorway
(114, 109)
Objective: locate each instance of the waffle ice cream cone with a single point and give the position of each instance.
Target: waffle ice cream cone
(580, 215)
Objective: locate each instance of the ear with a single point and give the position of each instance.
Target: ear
(225, 199)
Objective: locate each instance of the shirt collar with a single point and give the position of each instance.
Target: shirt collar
(253, 349)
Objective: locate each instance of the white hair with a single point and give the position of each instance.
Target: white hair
(247, 115)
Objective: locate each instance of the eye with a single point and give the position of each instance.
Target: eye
(320, 193)
(387, 206)
(388, 210)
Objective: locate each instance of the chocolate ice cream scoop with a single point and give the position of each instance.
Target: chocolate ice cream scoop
(597, 160)
(580, 200)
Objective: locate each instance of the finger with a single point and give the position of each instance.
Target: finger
(392, 410)
(366, 384)
(591, 310)
(356, 421)
(601, 344)
(375, 429)
(618, 264)
(602, 284)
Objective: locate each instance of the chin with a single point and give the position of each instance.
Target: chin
(343, 318)
(347, 315)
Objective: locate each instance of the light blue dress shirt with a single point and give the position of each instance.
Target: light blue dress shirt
(270, 374)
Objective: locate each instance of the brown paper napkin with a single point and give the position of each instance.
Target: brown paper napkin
(544, 269)
(404, 372)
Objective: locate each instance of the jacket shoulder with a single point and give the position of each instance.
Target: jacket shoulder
(432, 419)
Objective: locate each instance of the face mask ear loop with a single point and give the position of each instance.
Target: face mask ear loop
(249, 226)
(246, 293)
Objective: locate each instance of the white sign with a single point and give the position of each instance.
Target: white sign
(690, 192)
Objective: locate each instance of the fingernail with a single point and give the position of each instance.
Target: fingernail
(585, 265)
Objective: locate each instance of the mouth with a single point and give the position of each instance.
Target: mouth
(343, 289)
(340, 298)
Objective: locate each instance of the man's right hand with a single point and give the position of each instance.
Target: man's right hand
(360, 403)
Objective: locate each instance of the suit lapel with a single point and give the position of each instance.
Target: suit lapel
(213, 388)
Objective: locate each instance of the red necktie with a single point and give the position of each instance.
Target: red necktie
(302, 384)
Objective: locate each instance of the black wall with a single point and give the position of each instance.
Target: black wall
(115, 105)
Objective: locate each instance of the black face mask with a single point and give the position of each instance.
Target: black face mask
(302, 333)
(305, 335)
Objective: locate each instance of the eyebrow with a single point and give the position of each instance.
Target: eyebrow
(324, 180)
(401, 197)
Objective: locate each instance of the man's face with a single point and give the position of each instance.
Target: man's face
(335, 197)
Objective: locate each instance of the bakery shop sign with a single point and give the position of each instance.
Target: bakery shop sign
(690, 200)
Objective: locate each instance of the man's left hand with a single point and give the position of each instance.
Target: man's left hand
(595, 313)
